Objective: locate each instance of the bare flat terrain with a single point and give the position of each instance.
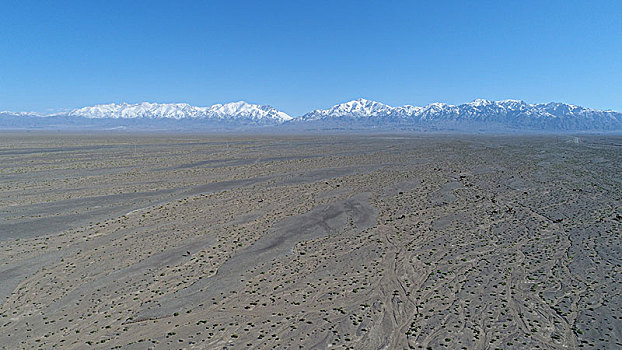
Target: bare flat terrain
(361, 242)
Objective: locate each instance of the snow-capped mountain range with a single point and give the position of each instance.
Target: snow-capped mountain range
(507, 112)
(233, 110)
(479, 115)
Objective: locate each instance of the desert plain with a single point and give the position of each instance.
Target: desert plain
(130, 241)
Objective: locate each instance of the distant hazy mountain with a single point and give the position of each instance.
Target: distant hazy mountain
(477, 116)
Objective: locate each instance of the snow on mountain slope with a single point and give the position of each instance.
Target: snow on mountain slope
(360, 108)
(505, 113)
(141, 110)
(240, 111)
(247, 111)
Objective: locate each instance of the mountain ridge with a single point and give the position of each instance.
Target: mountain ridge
(479, 114)
(232, 110)
(511, 113)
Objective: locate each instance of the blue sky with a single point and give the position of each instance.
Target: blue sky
(302, 55)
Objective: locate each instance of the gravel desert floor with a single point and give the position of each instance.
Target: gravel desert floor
(310, 242)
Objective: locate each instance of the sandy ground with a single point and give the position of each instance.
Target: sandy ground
(361, 242)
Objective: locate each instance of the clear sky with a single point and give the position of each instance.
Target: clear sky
(301, 55)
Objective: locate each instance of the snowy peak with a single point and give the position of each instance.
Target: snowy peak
(359, 108)
(480, 102)
(245, 110)
(239, 111)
